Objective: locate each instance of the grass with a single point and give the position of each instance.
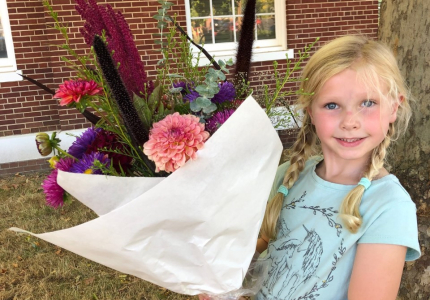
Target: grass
(31, 268)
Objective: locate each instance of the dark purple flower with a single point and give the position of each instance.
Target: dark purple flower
(217, 120)
(55, 193)
(120, 41)
(193, 95)
(81, 144)
(226, 92)
(86, 164)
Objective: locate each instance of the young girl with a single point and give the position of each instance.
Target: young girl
(339, 226)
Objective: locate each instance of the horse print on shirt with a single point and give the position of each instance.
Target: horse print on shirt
(297, 265)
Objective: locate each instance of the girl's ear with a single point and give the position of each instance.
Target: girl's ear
(396, 105)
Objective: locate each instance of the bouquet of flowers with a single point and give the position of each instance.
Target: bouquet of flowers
(185, 191)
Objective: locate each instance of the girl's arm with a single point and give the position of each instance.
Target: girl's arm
(377, 272)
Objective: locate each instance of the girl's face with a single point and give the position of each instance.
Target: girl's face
(350, 120)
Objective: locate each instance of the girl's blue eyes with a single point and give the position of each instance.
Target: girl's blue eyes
(368, 103)
(365, 103)
(331, 106)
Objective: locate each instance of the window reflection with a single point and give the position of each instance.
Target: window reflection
(219, 21)
(3, 51)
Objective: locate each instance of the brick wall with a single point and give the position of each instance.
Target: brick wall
(24, 108)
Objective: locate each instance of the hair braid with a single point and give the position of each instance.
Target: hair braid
(349, 210)
(303, 148)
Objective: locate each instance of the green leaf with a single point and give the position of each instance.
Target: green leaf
(202, 89)
(195, 107)
(175, 76)
(167, 5)
(211, 108)
(203, 102)
(175, 90)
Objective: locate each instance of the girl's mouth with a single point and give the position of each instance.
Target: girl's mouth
(350, 142)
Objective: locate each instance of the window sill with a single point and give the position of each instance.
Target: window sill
(10, 76)
(259, 54)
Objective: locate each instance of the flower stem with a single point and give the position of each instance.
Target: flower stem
(64, 153)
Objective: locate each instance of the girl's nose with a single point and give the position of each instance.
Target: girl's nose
(350, 120)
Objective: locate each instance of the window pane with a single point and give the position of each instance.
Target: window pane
(200, 8)
(239, 21)
(239, 6)
(202, 31)
(265, 27)
(224, 30)
(3, 51)
(265, 6)
(222, 7)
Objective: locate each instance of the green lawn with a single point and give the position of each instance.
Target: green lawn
(34, 269)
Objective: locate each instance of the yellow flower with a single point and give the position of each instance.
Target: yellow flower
(53, 161)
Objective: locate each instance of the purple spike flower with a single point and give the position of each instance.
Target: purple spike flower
(86, 164)
(81, 144)
(120, 41)
(226, 92)
(55, 193)
(217, 120)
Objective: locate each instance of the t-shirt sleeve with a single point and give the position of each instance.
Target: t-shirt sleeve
(397, 225)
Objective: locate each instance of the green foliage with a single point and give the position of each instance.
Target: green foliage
(208, 88)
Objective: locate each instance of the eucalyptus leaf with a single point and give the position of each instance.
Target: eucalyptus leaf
(203, 102)
(175, 90)
(202, 89)
(195, 107)
(209, 109)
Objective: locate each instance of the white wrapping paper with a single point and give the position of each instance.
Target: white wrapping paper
(192, 232)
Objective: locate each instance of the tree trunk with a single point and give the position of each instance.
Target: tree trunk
(404, 26)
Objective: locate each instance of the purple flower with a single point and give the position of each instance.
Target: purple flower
(86, 164)
(226, 92)
(80, 146)
(188, 91)
(193, 95)
(55, 193)
(218, 119)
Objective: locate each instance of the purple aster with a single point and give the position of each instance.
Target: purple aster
(188, 91)
(218, 119)
(193, 95)
(55, 193)
(86, 164)
(79, 147)
(226, 92)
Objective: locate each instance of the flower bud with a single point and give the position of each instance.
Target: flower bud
(43, 144)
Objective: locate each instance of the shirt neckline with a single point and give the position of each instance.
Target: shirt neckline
(339, 186)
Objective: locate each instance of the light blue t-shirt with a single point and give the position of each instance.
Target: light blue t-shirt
(313, 255)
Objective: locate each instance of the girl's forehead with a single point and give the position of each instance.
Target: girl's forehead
(350, 81)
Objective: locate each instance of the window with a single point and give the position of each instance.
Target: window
(216, 25)
(8, 69)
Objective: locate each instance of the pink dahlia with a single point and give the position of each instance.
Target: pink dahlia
(73, 90)
(174, 140)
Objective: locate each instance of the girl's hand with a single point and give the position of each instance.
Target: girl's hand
(203, 297)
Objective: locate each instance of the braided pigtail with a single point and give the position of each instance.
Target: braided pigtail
(349, 210)
(303, 148)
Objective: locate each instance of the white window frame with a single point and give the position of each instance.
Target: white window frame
(276, 50)
(8, 67)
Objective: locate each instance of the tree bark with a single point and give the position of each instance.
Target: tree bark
(404, 26)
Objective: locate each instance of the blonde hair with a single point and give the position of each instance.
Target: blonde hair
(375, 66)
